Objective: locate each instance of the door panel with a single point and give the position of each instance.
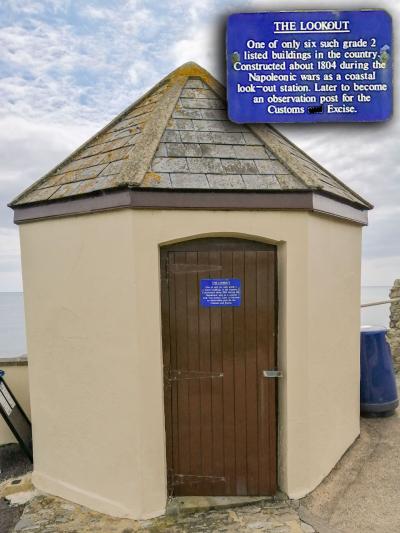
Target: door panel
(220, 412)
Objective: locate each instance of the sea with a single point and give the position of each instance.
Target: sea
(12, 320)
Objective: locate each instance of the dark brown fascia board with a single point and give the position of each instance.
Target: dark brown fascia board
(206, 200)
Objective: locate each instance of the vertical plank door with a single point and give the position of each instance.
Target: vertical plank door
(220, 409)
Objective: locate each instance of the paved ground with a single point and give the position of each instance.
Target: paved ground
(53, 515)
(361, 495)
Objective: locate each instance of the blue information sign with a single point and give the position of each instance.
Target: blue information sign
(310, 66)
(220, 292)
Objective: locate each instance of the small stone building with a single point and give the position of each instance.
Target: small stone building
(173, 266)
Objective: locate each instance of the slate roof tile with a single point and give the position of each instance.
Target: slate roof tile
(159, 180)
(181, 112)
(194, 83)
(216, 125)
(266, 166)
(260, 182)
(212, 114)
(225, 181)
(75, 175)
(251, 139)
(183, 150)
(169, 164)
(217, 150)
(205, 165)
(239, 166)
(171, 136)
(180, 124)
(287, 181)
(189, 181)
(39, 195)
(112, 168)
(250, 152)
(206, 103)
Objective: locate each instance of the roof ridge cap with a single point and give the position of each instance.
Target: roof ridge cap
(262, 129)
(322, 168)
(142, 153)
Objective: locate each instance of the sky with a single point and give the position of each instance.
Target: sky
(68, 67)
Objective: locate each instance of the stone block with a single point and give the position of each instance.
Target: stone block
(393, 335)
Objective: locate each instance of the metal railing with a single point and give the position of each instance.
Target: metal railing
(381, 302)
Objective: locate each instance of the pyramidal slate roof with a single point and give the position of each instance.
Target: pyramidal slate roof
(178, 137)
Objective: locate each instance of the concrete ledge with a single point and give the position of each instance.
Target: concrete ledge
(194, 504)
(21, 360)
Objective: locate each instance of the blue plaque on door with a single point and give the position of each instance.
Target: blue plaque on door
(220, 292)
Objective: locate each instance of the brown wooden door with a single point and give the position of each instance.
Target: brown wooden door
(220, 411)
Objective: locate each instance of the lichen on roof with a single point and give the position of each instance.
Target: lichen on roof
(178, 136)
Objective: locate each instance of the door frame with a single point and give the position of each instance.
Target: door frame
(209, 243)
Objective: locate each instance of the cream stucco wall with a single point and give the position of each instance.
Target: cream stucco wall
(16, 377)
(323, 385)
(92, 299)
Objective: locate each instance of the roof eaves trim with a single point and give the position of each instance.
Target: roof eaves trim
(192, 200)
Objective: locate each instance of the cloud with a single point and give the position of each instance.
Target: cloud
(35, 7)
(9, 260)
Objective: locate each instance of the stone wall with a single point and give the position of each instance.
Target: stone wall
(394, 331)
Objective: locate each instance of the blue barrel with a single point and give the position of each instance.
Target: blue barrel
(378, 383)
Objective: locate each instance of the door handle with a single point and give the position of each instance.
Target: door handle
(272, 374)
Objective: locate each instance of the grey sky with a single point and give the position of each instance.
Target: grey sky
(67, 67)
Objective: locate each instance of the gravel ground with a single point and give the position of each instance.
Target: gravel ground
(9, 516)
(13, 463)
